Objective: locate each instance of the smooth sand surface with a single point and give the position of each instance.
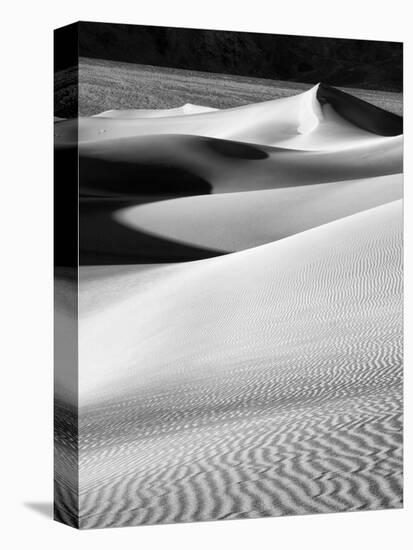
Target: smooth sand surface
(211, 292)
(240, 311)
(127, 181)
(129, 163)
(245, 220)
(187, 109)
(199, 165)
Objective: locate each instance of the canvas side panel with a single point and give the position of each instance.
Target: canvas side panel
(66, 279)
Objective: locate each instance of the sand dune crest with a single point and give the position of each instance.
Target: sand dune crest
(280, 122)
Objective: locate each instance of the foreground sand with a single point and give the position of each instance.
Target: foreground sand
(248, 360)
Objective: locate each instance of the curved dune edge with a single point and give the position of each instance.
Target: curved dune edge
(359, 112)
(270, 376)
(302, 121)
(191, 165)
(251, 273)
(134, 171)
(249, 219)
(266, 378)
(187, 109)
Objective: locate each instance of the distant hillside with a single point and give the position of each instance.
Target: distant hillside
(335, 61)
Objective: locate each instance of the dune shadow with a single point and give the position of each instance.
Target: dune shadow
(109, 185)
(359, 112)
(102, 177)
(105, 241)
(235, 149)
(44, 509)
(106, 186)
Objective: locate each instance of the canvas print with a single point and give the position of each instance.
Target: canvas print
(228, 275)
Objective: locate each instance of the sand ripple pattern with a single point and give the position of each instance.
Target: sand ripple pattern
(281, 395)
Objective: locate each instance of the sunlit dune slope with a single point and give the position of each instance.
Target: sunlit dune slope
(306, 121)
(234, 221)
(267, 302)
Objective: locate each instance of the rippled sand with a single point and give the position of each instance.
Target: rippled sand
(261, 374)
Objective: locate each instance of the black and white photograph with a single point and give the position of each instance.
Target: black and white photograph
(206, 311)
(230, 343)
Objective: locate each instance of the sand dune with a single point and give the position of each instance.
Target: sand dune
(359, 112)
(246, 365)
(286, 122)
(134, 171)
(216, 287)
(240, 312)
(198, 165)
(245, 220)
(187, 109)
(117, 231)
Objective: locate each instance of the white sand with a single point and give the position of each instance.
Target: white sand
(187, 109)
(249, 378)
(245, 220)
(266, 381)
(297, 122)
(245, 305)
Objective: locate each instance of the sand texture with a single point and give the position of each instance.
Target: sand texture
(240, 311)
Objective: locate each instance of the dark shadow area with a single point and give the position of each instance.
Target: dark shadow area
(359, 112)
(106, 173)
(235, 149)
(66, 70)
(100, 177)
(104, 241)
(44, 509)
(66, 92)
(336, 61)
(65, 209)
(107, 186)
